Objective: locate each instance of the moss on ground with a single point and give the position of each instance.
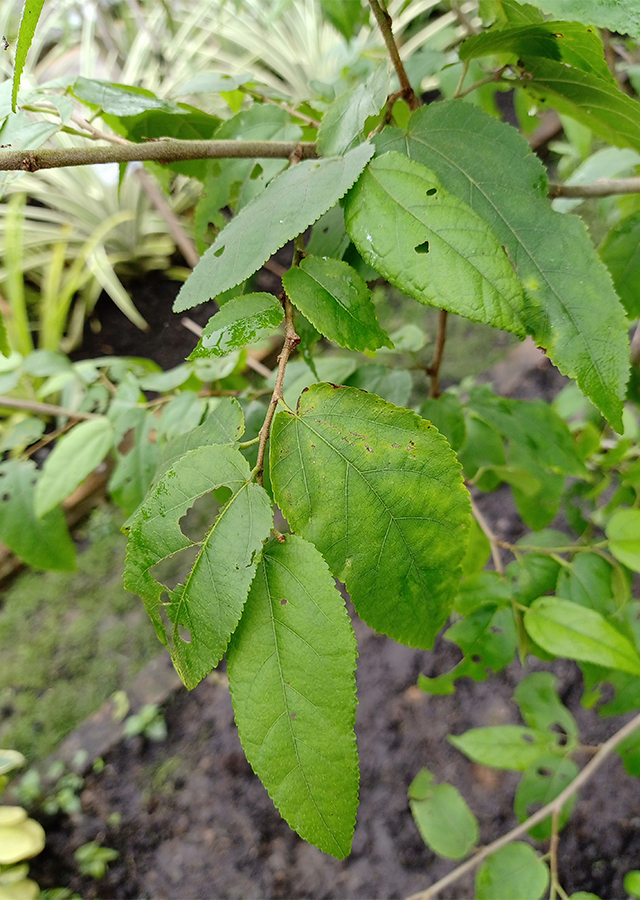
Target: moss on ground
(68, 640)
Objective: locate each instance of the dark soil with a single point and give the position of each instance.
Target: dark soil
(190, 819)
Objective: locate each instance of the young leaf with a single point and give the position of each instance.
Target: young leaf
(74, 456)
(210, 602)
(337, 301)
(342, 124)
(380, 494)
(444, 820)
(621, 17)
(514, 871)
(288, 205)
(240, 322)
(540, 784)
(30, 15)
(487, 637)
(504, 746)
(540, 706)
(568, 42)
(571, 308)
(430, 244)
(623, 531)
(42, 543)
(291, 666)
(620, 251)
(566, 629)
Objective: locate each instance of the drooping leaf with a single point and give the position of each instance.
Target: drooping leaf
(444, 820)
(288, 205)
(541, 708)
(540, 784)
(30, 15)
(430, 244)
(74, 456)
(514, 871)
(379, 492)
(567, 629)
(210, 602)
(291, 665)
(620, 251)
(42, 543)
(343, 122)
(240, 322)
(504, 746)
(621, 17)
(487, 637)
(567, 42)
(337, 301)
(589, 99)
(623, 531)
(571, 308)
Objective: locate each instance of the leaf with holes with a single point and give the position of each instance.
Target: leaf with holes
(241, 321)
(571, 310)
(210, 602)
(444, 820)
(430, 244)
(337, 301)
(291, 665)
(567, 629)
(289, 204)
(541, 708)
(42, 543)
(505, 746)
(380, 494)
(540, 784)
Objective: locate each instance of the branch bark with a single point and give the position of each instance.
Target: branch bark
(163, 151)
(604, 187)
(384, 24)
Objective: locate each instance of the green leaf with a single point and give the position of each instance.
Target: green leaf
(620, 251)
(629, 752)
(632, 882)
(587, 582)
(335, 369)
(5, 349)
(482, 448)
(291, 666)
(504, 746)
(447, 415)
(514, 871)
(623, 531)
(240, 322)
(566, 629)
(587, 98)
(346, 15)
(393, 385)
(567, 42)
(444, 820)
(482, 589)
(487, 637)
(42, 543)
(541, 708)
(210, 602)
(328, 236)
(571, 310)
(380, 494)
(621, 17)
(478, 550)
(74, 456)
(30, 15)
(343, 122)
(223, 425)
(430, 244)
(610, 162)
(287, 206)
(509, 12)
(134, 470)
(120, 99)
(540, 784)
(337, 301)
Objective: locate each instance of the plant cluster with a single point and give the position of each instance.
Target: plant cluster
(379, 487)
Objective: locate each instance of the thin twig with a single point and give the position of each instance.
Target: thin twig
(464, 19)
(46, 409)
(490, 79)
(182, 239)
(491, 537)
(553, 853)
(290, 109)
(48, 438)
(433, 371)
(603, 187)
(589, 770)
(161, 150)
(384, 23)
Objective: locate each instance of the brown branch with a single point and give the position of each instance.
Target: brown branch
(161, 150)
(603, 187)
(553, 853)
(491, 537)
(177, 232)
(384, 23)
(46, 409)
(434, 369)
(589, 770)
